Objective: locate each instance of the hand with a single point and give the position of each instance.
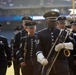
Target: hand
(22, 64)
(75, 62)
(59, 46)
(9, 64)
(41, 59)
(13, 59)
(44, 62)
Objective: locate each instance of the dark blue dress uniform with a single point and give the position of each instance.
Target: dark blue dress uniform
(16, 30)
(16, 67)
(17, 43)
(62, 20)
(22, 33)
(27, 54)
(74, 36)
(5, 54)
(72, 57)
(18, 38)
(30, 58)
(16, 47)
(47, 38)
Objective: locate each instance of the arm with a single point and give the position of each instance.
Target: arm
(70, 44)
(39, 53)
(20, 53)
(8, 53)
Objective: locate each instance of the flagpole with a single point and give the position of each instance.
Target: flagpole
(73, 6)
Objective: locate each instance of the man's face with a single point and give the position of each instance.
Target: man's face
(51, 24)
(31, 30)
(61, 25)
(74, 27)
(24, 22)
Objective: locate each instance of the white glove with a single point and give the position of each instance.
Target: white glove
(44, 62)
(41, 59)
(67, 45)
(59, 46)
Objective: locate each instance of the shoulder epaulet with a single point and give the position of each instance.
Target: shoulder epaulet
(24, 37)
(2, 36)
(17, 33)
(12, 37)
(20, 31)
(41, 30)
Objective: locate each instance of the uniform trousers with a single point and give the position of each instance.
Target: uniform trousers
(16, 67)
(60, 67)
(72, 65)
(3, 70)
(31, 67)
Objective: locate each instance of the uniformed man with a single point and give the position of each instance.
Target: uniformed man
(61, 25)
(23, 32)
(72, 58)
(49, 39)
(5, 54)
(18, 36)
(73, 27)
(16, 65)
(27, 52)
(61, 22)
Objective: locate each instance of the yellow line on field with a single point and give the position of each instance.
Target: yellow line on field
(10, 71)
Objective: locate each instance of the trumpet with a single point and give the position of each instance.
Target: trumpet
(67, 52)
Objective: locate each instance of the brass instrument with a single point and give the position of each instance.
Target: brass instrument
(57, 53)
(52, 49)
(67, 52)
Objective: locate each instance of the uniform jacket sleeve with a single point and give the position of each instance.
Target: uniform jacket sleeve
(70, 39)
(17, 40)
(7, 50)
(20, 51)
